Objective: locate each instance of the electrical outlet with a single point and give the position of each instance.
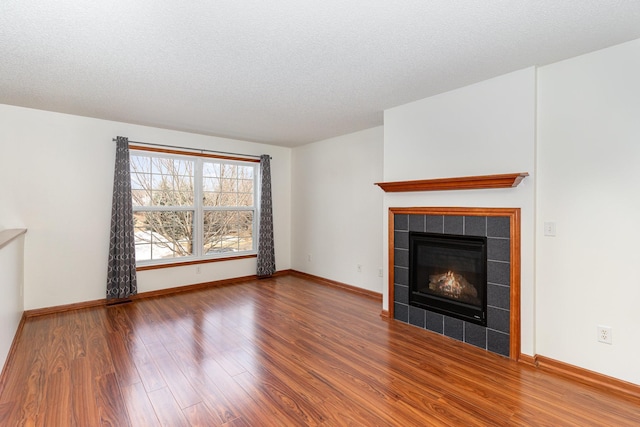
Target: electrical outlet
(550, 229)
(308, 257)
(379, 272)
(359, 268)
(198, 271)
(605, 334)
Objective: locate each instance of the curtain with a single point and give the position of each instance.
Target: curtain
(121, 274)
(266, 253)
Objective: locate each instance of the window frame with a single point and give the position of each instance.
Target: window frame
(198, 208)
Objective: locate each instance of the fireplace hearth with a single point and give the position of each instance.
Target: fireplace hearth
(448, 275)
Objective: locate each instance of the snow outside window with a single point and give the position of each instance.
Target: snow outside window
(190, 208)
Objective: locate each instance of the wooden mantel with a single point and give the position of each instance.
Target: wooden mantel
(458, 183)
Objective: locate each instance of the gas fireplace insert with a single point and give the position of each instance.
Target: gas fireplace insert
(448, 275)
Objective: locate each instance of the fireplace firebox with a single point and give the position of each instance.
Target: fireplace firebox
(448, 275)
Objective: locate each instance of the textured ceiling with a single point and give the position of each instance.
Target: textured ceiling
(284, 72)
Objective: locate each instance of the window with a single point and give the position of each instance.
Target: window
(187, 207)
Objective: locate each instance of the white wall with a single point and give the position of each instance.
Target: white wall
(483, 129)
(336, 209)
(56, 174)
(11, 301)
(588, 158)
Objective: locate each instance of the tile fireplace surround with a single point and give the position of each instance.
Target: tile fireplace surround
(501, 226)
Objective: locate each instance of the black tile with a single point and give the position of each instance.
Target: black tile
(498, 296)
(475, 335)
(498, 226)
(401, 312)
(401, 294)
(454, 328)
(401, 257)
(401, 239)
(475, 226)
(498, 342)
(434, 322)
(497, 272)
(435, 223)
(498, 319)
(498, 249)
(401, 222)
(416, 316)
(417, 223)
(401, 275)
(453, 224)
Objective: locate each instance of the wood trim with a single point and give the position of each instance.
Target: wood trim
(349, 288)
(63, 308)
(186, 263)
(525, 359)
(514, 289)
(194, 287)
(191, 153)
(143, 295)
(458, 183)
(390, 267)
(6, 236)
(514, 232)
(385, 314)
(10, 355)
(455, 211)
(585, 376)
(279, 273)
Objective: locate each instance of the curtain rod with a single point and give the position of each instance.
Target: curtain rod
(194, 149)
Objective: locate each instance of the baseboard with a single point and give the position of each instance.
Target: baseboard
(349, 288)
(143, 295)
(194, 287)
(10, 355)
(385, 314)
(525, 359)
(63, 308)
(585, 376)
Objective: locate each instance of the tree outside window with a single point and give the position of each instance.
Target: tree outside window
(186, 206)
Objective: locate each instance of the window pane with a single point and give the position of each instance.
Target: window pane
(228, 231)
(227, 199)
(171, 166)
(140, 164)
(158, 181)
(245, 185)
(140, 197)
(210, 184)
(245, 199)
(140, 168)
(161, 235)
(227, 185)
(210, 170)
(245, 172)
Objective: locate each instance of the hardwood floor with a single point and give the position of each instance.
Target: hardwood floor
(283, 352)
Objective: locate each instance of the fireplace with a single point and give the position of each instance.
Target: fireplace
(448, 275)
(500, 227)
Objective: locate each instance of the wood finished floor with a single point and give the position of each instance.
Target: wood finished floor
(282, 352)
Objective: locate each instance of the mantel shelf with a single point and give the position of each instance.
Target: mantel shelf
(457, 183)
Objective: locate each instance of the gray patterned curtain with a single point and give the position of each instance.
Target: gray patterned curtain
(121, 275)
(266, 253)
